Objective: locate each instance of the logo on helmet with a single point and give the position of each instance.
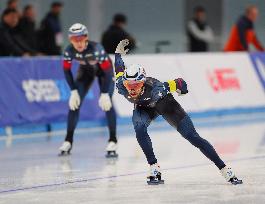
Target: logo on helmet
(77, 29)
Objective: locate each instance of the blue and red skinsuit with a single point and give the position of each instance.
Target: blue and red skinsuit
(94, 62)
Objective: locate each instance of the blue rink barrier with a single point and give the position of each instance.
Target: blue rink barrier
(205, 119)
(34, 98)
(34, 91)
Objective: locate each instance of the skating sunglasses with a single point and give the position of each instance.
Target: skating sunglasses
(78, 38)
(130, 84)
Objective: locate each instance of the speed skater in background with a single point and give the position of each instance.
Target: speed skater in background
(94, 62)
(152, 98)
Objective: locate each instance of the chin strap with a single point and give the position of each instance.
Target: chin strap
(142, 92)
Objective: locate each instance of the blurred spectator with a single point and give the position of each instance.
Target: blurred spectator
(115, 33)
(12, 4)
(199, 32)
(50, 34)
(242, 33)
(11, 42)
(26, 26)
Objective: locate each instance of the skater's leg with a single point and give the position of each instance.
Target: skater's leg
(187, 130)
(83, 83)
(111, 114)
(73, 115)
(112, 142)
(111, 118)
(103, 78)
(142, 118)
(171, 111)
(72, 122)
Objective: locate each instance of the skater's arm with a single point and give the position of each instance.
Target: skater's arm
(119, 65)
(67, 64)
(106, 81)
(106, 66)
(242, 27)
(257, 43)
(176, 85)
(119, 69)
(104, 61)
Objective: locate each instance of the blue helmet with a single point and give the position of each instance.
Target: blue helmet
(77, 29)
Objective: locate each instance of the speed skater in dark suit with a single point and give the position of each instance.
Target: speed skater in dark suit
(152, 98)
(94, 62)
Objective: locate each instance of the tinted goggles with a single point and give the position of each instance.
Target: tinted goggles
(133, 84)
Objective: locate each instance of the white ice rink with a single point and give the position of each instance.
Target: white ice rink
(31, 172)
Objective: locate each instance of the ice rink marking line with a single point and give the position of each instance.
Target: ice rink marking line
(121, 175)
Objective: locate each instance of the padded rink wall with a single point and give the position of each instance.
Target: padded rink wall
(33, 90)
(217, 82)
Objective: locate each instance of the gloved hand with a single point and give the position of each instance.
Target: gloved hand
(181, 86)
(74, 100)
(104, 102)
(121, 46)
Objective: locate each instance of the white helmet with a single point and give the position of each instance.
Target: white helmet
(77, 29)
(134, 72)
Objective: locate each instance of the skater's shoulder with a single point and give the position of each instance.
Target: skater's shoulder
(69, 49)
(94, 44)
(68, 52)
(156, 88)
(152, 81)
(96, 47)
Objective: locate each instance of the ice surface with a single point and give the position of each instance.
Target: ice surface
(31, 172)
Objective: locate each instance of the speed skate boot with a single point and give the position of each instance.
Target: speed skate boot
(154, 177)
(65, 149)
(229, 176)
(111, 150)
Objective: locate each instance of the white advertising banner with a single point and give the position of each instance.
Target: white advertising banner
(215, 80)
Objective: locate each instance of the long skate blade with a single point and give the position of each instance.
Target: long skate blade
(111, 155)
(154, 182)
(237, 182)
(63, 154)
(161, 181)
